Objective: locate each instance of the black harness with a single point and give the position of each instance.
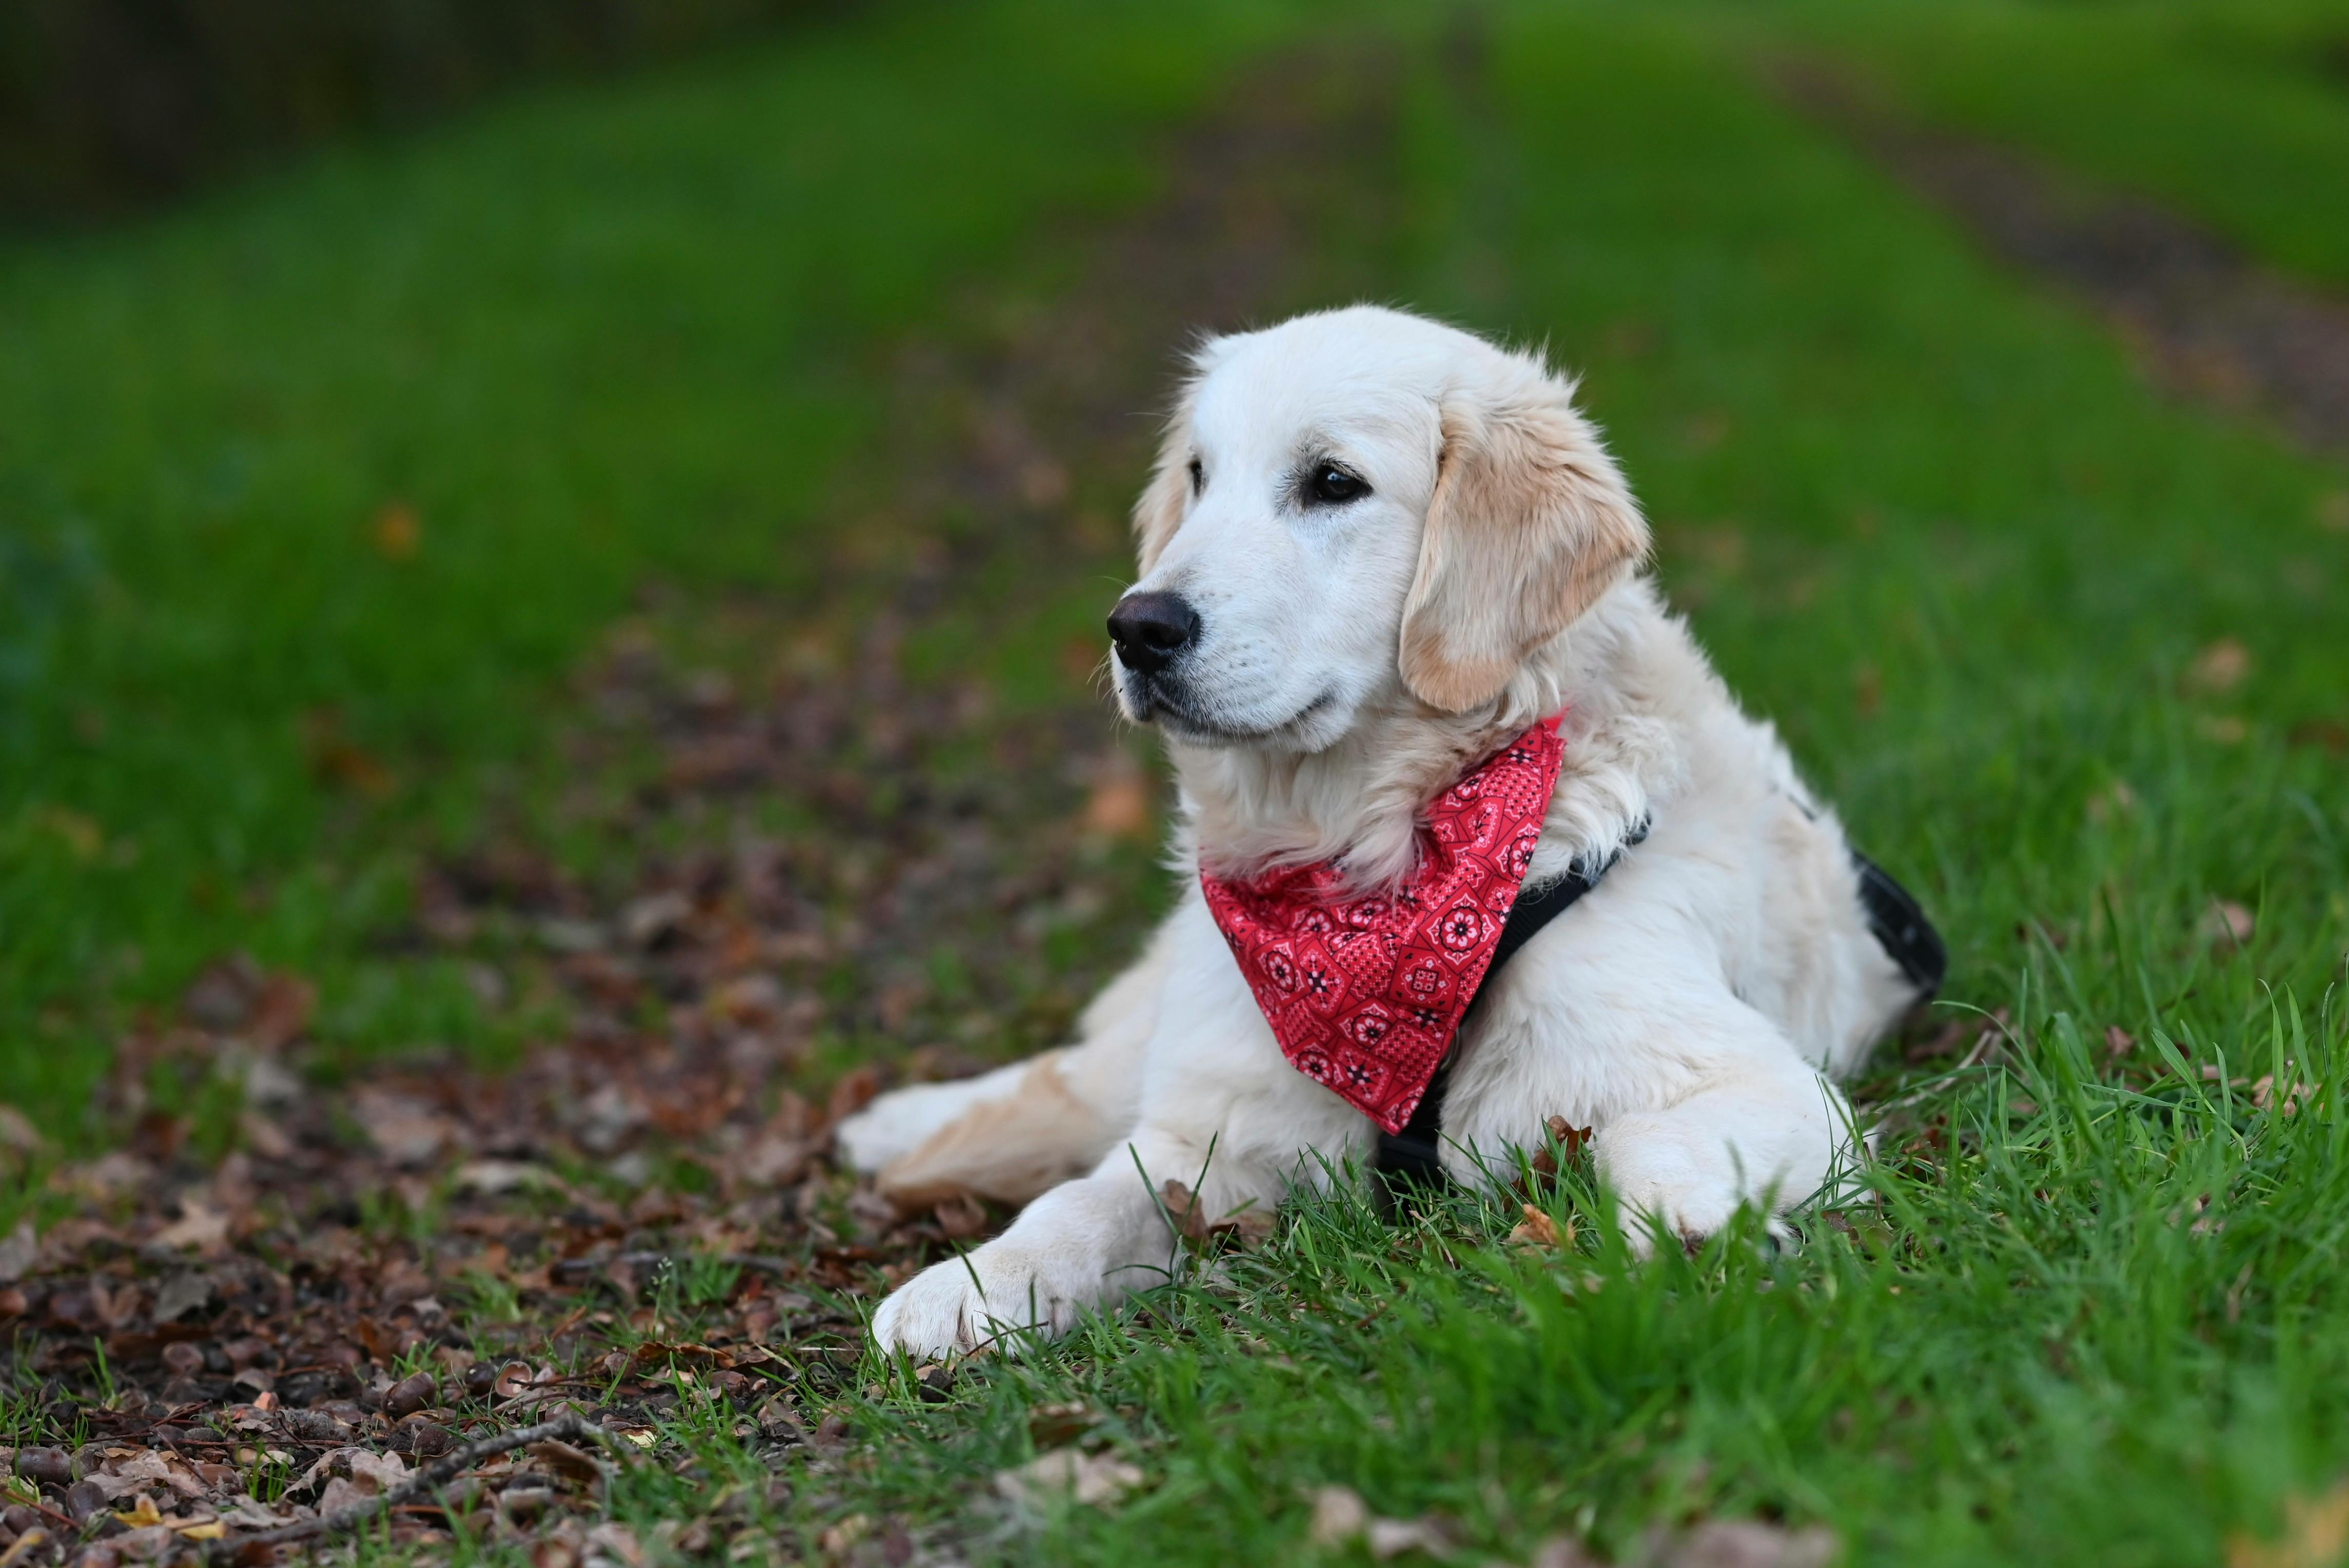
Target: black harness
(1413, 1157)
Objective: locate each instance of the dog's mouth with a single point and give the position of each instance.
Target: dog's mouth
(1154, 701)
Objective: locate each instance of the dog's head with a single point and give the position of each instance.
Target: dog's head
(1357, 510)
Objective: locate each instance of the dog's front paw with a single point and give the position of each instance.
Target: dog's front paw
(903, 1120)
(991, 1297)
(1664, 1182)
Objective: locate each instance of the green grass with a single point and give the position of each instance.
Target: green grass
(2235, 113)
(1923, 514)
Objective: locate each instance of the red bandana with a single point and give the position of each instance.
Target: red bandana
(1364, 994)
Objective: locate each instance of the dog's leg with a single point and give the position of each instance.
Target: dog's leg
(1015, 1132)
(1224, 1114)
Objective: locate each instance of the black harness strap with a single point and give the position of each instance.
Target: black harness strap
(1412, 1159)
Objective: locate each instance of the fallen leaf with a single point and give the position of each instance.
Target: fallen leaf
(1563, 1552)
(199, 1227)
(17, 1133)
(2114, 801)
(396, 532)
(2119, 1042)
(1069, 1474)
(619, 1542)
(1248, 1226)
(570, 1463)
(1392, 1537)
(1119, 804)
(2295, 1090)
(183, 1294)
(406, 1130)
(2219, 668)
(2225, 924)
(494, 1177)
(1340, 1517)
(2316, 1535)
(960, 1217)
(19, 1251)
(1054, 1425)
(1746, 1544)
(847, 1532)
(1538, 1229)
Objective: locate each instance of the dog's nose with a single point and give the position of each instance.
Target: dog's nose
(1150, 629)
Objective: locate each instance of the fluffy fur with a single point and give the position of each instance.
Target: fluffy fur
(1351, 659)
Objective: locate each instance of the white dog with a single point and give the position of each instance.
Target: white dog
(1374, 551)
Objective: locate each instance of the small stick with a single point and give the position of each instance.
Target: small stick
(432, 1477)
(757, 1263)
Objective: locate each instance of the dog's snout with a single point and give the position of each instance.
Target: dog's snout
(1150, 629)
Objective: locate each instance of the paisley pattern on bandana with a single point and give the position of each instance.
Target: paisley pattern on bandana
(1365, 994)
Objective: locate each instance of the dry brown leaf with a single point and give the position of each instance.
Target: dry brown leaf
(839, 1537)
(1249, 1226)
(2219, 668)
(1340, 1516)
(2316, 1535)
(17, 1133)
(396, 532)
(1538, 1229)
(1119, 804)
(199, 1227)
(960, 1217)
(1055, 1425)
(571, 1464)
(1563, 1552)
(20, 1249)
(1067, 1473)
(407, 1130)
(1745, 1543)
(2225, 924)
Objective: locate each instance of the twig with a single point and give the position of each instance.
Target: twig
(431, 1477)
(755, 1261)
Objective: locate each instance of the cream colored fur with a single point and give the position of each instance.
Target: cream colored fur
(1694, 1009)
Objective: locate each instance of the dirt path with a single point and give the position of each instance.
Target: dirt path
(281, 1306)
(2204, 319)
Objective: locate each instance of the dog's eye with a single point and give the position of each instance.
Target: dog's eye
(1198, 476)
(1330, 485)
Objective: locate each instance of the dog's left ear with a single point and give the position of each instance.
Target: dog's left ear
(1530, 524)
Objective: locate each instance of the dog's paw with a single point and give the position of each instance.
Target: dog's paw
(904, 1119)
(1666, 1187)
(992, 1297)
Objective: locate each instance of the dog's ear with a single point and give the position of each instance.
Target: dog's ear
(1530, 523)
